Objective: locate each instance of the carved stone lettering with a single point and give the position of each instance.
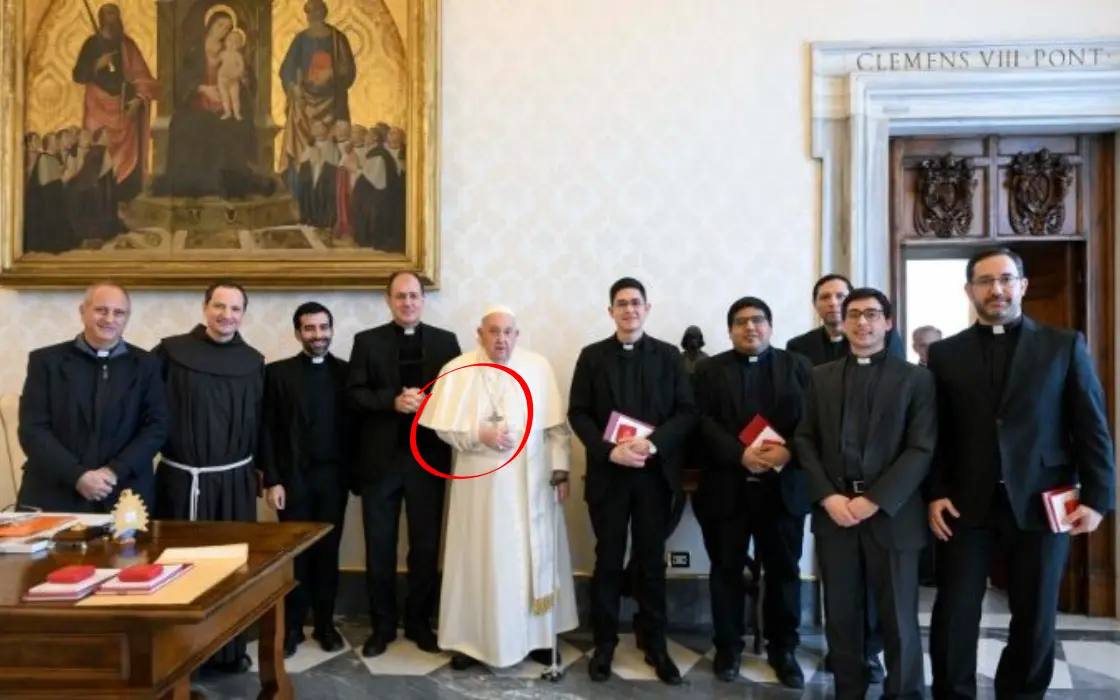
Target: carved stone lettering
(1038, 185)
(944, 203)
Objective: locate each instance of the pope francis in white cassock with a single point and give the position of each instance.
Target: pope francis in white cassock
(507, 574)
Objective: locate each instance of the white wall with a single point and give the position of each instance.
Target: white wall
(585, 140)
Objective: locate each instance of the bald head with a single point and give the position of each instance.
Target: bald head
(104, 311)
(498, 333)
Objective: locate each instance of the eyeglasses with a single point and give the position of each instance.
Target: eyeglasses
(758, 320)
(869, 314)
(623, 303)
(1004, 281)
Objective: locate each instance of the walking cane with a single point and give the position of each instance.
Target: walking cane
(554, 673)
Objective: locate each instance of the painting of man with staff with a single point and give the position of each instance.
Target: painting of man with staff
(119, 90)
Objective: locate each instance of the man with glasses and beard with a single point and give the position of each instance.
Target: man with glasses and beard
(865, 444)
(306, 460)
(1022, 412)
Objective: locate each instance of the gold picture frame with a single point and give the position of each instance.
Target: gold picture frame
(170, 264)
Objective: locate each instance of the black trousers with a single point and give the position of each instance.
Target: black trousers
(778, 541)
(637, 505)
(322, 500)
(402, 480)
(1036, 560)
(854, 564)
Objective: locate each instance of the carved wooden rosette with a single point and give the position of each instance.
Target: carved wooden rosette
(944, 203)
(1038, 185)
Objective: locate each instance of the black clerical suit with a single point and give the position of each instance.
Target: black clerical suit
(306, 447)
(646, 381)
(869, 430)
(733, 505)
(1022, 411)
(384, 360)
(78, 412)
(820, 347)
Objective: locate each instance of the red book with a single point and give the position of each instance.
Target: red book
(72, 573)
(140, 573)
(1058, 504)
(620, 426)
(758, 432)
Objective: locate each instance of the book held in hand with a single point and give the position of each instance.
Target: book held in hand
(1058, 504)
(621, 426)
(759, 432)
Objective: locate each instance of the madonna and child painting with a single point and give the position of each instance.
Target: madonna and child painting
(265, 132)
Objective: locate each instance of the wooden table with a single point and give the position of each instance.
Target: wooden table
(56, 650)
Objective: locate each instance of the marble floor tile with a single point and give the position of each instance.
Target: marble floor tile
(1087, 668)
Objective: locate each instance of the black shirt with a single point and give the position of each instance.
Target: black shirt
(998, 345)
(631, 367)
(756, 385)
(861, 379)
(322, 404)
(410, 364)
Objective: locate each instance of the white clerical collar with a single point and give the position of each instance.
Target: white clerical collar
(998, 330)
(317, 359)
(102, 353)
(752, 358)
(410, 331)
(863, 360)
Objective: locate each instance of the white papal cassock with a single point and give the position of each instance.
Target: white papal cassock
(504, 572)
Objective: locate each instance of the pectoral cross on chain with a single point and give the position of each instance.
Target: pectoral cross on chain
(495, 417)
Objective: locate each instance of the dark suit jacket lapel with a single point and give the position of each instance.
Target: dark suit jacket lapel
(123, 376)
(612, 370)
(734, 382)
(76, 385)
(886, 394)
(392, 350)
(290, 389)
(779, 373)
(1022, 362)
(653, 386)
(338, 371)
(830, 393)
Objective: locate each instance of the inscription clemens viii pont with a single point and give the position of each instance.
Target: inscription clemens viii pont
(965, 59)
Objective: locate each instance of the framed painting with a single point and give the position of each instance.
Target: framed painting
(287, 144)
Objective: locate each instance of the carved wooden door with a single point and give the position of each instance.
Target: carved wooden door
(1049, 198)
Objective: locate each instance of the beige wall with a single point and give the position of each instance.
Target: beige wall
(584, 140)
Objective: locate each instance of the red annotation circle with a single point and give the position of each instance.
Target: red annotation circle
(524, 438)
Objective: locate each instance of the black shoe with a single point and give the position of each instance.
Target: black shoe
(424, 639)
(875, 670)
(666, 670)
(599, 668)
(377, 643)
(292, 639)
(726, 664)
(544, 657)
(329, 639)
(788, 670)
(461, 662)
